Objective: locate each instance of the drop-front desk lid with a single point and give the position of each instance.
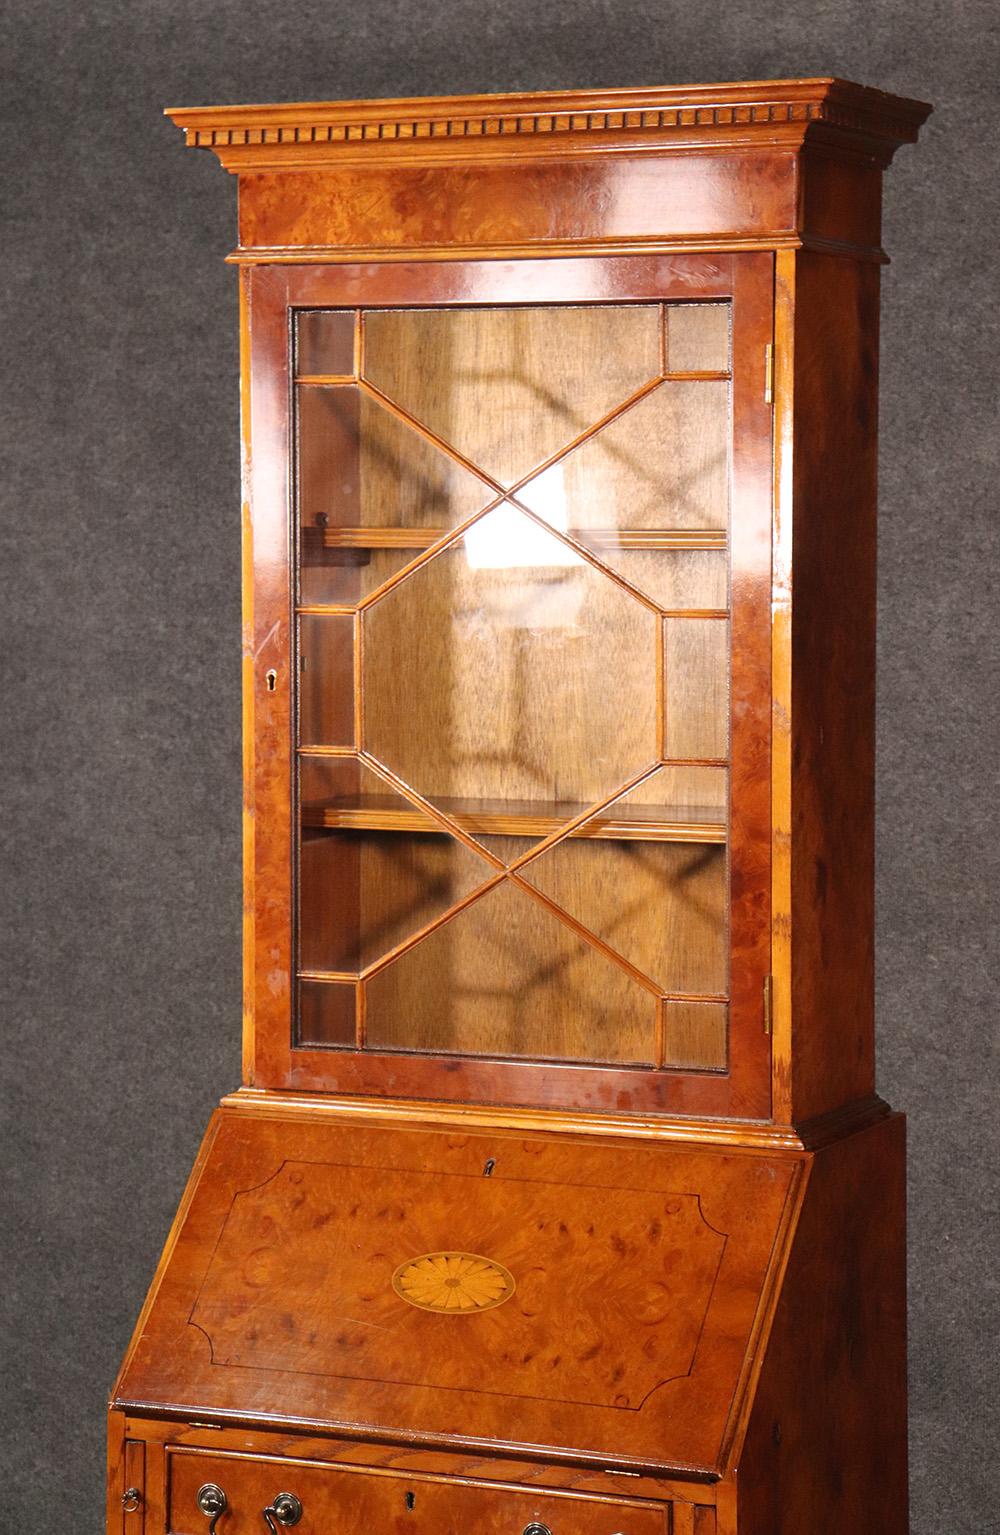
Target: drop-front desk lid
(589, 1299)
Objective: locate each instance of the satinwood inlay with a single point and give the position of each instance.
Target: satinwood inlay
(453, 1282)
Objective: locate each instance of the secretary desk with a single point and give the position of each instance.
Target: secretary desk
(557, 1198)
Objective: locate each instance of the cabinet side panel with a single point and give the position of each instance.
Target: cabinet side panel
(833, 682)
(826, 1444)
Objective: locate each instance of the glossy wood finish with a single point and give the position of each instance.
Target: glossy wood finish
(834, 343)
(643, 1277)
(828, 1426)
(705, 1334)
(401, 1461)
(743, 1090)
(356, 1501)
(587, 169)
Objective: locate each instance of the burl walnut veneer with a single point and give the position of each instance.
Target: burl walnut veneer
(557, 1198)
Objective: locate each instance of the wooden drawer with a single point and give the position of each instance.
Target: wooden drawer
(339, 1501)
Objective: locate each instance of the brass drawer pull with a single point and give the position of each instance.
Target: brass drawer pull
(534, 1528)
(285, 1511)
(131, 1499)
(213, 1503)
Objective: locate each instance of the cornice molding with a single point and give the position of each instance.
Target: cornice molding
(673, 117)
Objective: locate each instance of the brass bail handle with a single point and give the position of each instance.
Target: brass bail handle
(285, 1511)
(213, 1503)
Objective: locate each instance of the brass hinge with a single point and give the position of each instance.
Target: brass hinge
(769, 374)
(768, 1002)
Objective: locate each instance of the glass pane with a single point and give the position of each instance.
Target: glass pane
(327, 1013)
(663, 463)
(697, 338)
(506, 978)
(695, 1034)
(510, 387)
(373, 868)
(512, 682)
(486, 673)
(696, 672)
(326, 680)
(325, 343)
(346, 576)
(648, 876)
(360, 467)
(672, 578)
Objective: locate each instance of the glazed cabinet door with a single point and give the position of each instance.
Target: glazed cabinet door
(509, 677)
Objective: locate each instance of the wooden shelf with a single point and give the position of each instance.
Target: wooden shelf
(316, 538)
(516, 818)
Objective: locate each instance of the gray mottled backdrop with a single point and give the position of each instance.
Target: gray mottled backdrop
(120, 894)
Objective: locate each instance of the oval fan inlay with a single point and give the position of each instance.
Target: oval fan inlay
(453, 1282)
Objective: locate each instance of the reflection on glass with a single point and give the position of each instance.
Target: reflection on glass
(327, 1013)
(490, 680)
(672, 578)
(510, 387)
(655, 892)
(513, 682)
(361, 468)
(326, 680)
(698, 337)
(663, 463)
(506, 978)
(507, 540)
(374, 869)
(696, 671)
(324, 344)
(695, 1035)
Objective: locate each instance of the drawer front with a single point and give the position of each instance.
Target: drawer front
(356, 1502)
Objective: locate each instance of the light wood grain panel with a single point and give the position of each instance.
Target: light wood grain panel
(701, 791)
(697, 336)
(663, 906)
(697, 687)
(506, 978)
(672, 578)
(535, 683)
(695, 1034)
(663, 463)
(508, 387)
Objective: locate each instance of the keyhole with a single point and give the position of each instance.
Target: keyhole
(272, 680)
(410, 1500)
(488, 1169)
